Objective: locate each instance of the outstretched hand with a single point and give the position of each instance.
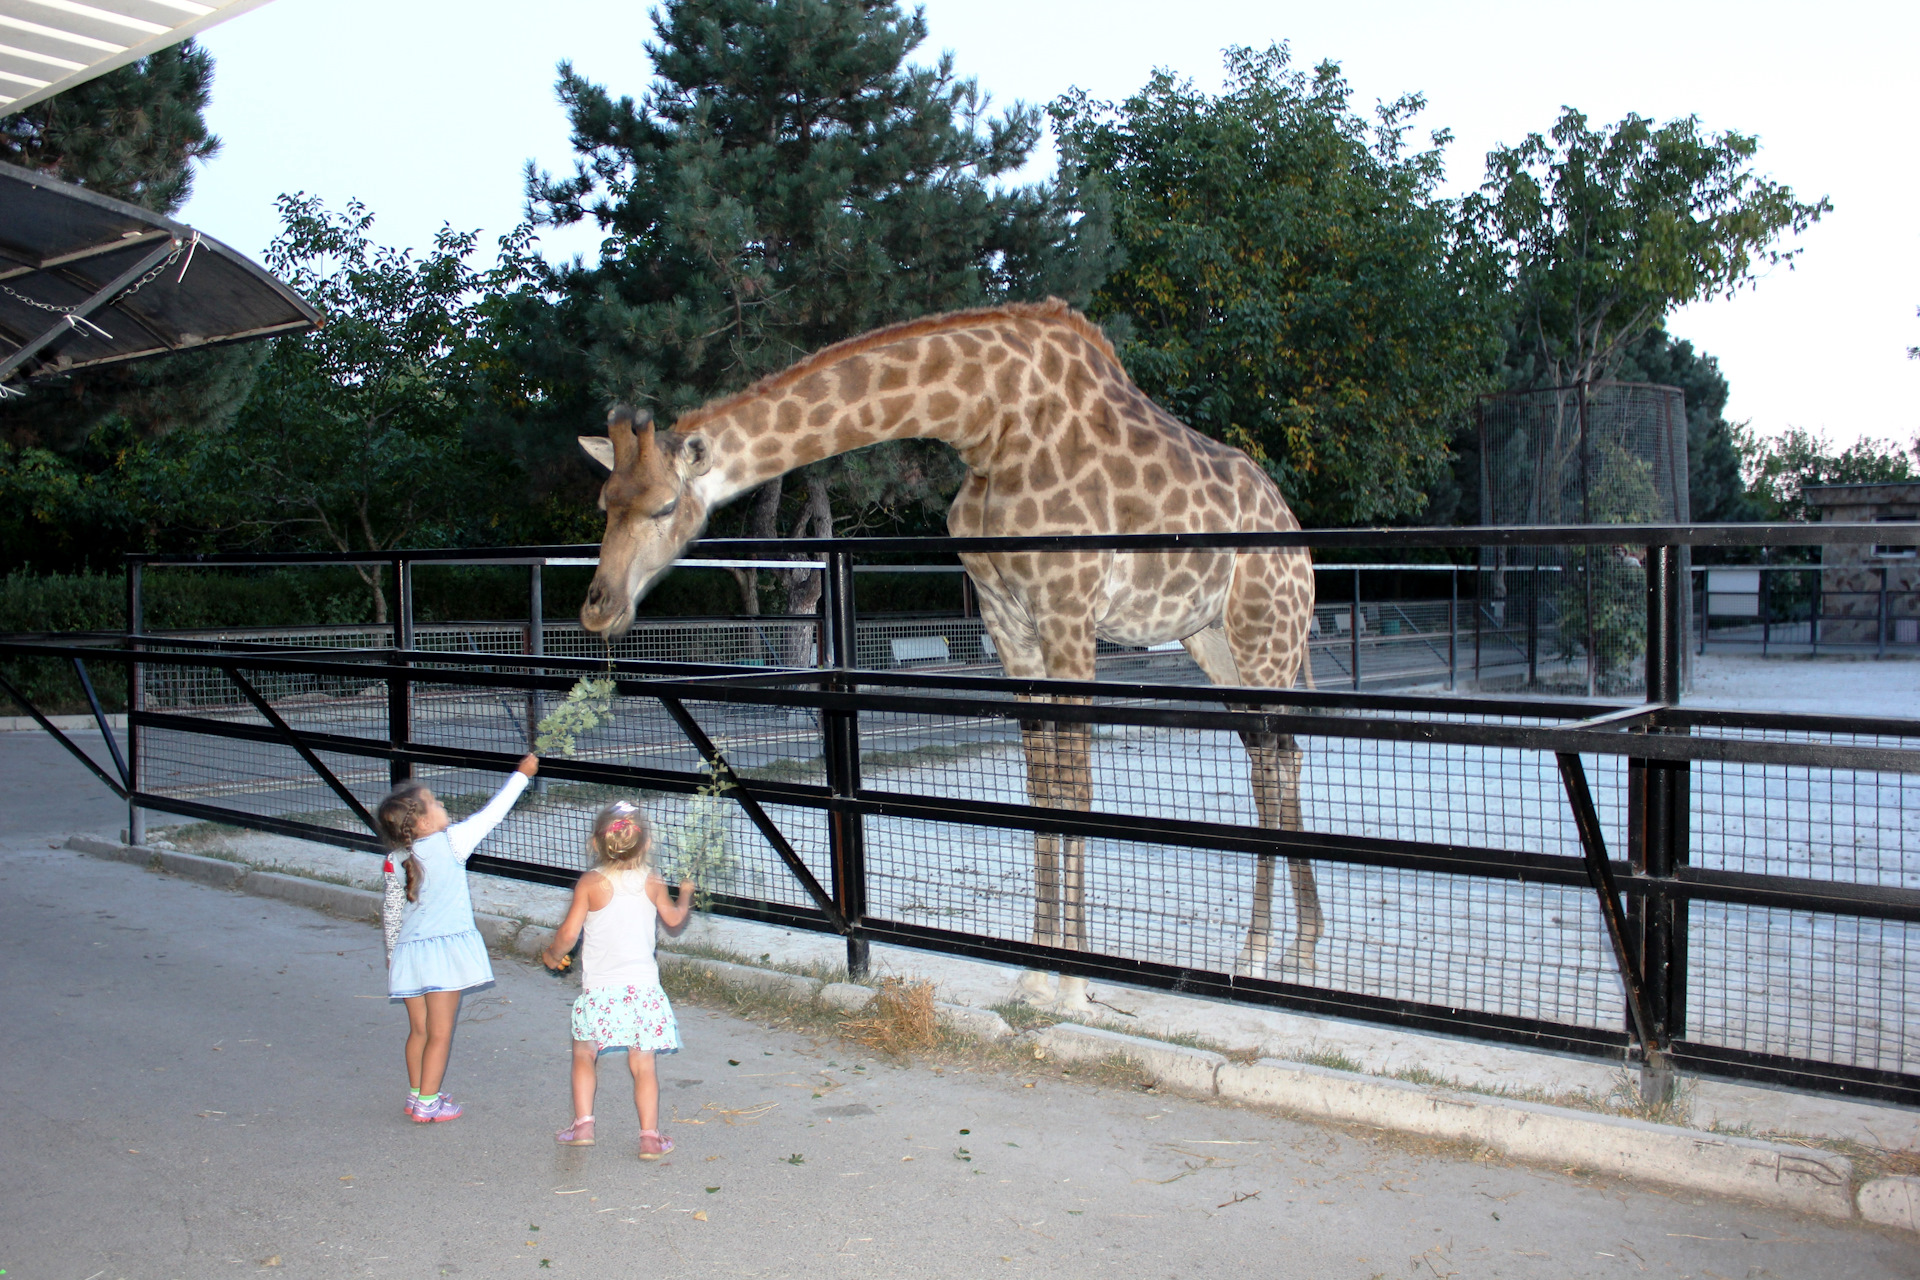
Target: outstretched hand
(529, 764)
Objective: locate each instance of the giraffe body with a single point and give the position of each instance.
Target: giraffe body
(1057, 439)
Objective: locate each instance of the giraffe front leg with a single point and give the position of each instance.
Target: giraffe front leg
(1035, 987)
(1307, 917)
(1073, 789)
(1252, 961)
(1308, 921)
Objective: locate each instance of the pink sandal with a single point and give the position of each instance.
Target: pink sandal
(577, 1134)
(653, 1144)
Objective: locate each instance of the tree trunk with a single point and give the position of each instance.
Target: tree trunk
(805, 586)
(762, 523)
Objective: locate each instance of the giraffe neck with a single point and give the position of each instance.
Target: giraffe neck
(936, 386)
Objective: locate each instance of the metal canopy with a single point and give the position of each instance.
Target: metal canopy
(50, 45)
(86, 281)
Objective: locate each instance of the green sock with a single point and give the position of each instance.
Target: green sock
(429, 1097)
(415, 1093)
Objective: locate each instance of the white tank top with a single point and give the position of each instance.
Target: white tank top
(619, 948)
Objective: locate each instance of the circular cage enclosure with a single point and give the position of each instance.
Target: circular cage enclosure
(1591, 453)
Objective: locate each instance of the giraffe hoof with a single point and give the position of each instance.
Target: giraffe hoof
(1073, 997)
(1033, 989)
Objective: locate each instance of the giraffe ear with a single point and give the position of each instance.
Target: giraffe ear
(599, 448)
(699, 455)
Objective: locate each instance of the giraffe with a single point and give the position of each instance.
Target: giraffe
(1056, 439)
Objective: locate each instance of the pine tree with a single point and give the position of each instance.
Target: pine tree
(789, 180)
(133, 134)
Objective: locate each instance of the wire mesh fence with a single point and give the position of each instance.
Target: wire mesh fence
(1397, 855)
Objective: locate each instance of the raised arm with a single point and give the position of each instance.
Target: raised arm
(467, 834)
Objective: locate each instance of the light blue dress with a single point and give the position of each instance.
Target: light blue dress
(439, 949)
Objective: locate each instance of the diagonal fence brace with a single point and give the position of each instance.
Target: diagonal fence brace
(768, 828)
(294, 740)
(1593, 845)
(85, 759)
(100, 718)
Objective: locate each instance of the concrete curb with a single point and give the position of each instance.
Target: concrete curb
(1797, 1178)
(66, 724)
(1174, 1066)
(847, 997)
(1892, 1202)
(964, 1019)
(769, 981)
(334, 899)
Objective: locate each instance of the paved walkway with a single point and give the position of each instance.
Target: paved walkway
(199, 1084)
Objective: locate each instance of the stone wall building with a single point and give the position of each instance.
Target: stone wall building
(1867, 586)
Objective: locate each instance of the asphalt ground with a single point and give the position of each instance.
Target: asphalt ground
(196, 1083)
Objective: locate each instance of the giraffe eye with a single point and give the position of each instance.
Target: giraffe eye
(667, 510)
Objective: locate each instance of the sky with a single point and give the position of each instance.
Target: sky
(429, 111)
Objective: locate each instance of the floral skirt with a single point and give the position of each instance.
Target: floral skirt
(626, 1018)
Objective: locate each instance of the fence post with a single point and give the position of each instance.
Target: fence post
(1658, 809)
(1883, 611)
(1353, 630)
(536, 647)
(1479, 605)
(399, 687)
(136, 700)
(1766, 611)
(1533, 626)
(1453, 626)
(1819, 605)
(846, 836)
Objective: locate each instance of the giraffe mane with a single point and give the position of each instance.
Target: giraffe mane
(1053, 309)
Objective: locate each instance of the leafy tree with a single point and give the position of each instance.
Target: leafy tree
(1604, 232)
(788, 180)
(135, 134)
(1292, 283)
(354, 436)
(1778, 468)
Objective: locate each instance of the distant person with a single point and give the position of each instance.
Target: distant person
(438, 953)
(621, 1005)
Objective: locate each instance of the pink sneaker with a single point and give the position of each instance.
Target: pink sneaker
(654, 1144)
(413, 1100)
(577, 1134)
(441, 1108)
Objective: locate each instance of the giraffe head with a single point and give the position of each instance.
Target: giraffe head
(653, 510)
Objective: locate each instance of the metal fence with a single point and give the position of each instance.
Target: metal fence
(1447, 630)
(1807, 609)
(1728, 892)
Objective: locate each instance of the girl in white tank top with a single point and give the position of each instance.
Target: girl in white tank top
(621, 1005)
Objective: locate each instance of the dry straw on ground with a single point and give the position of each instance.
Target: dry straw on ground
(898, 1020)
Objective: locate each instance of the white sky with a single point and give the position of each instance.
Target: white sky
(428, 109)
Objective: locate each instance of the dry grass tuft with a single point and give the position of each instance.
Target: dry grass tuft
(899, 1020)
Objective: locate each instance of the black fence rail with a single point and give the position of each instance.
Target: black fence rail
(1731, 892)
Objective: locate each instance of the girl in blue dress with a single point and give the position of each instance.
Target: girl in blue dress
(438, 953)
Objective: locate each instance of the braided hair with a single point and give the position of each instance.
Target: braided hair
(399, 817)
(622, 837)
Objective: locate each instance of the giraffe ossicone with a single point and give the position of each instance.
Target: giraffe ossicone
(1056, 439)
